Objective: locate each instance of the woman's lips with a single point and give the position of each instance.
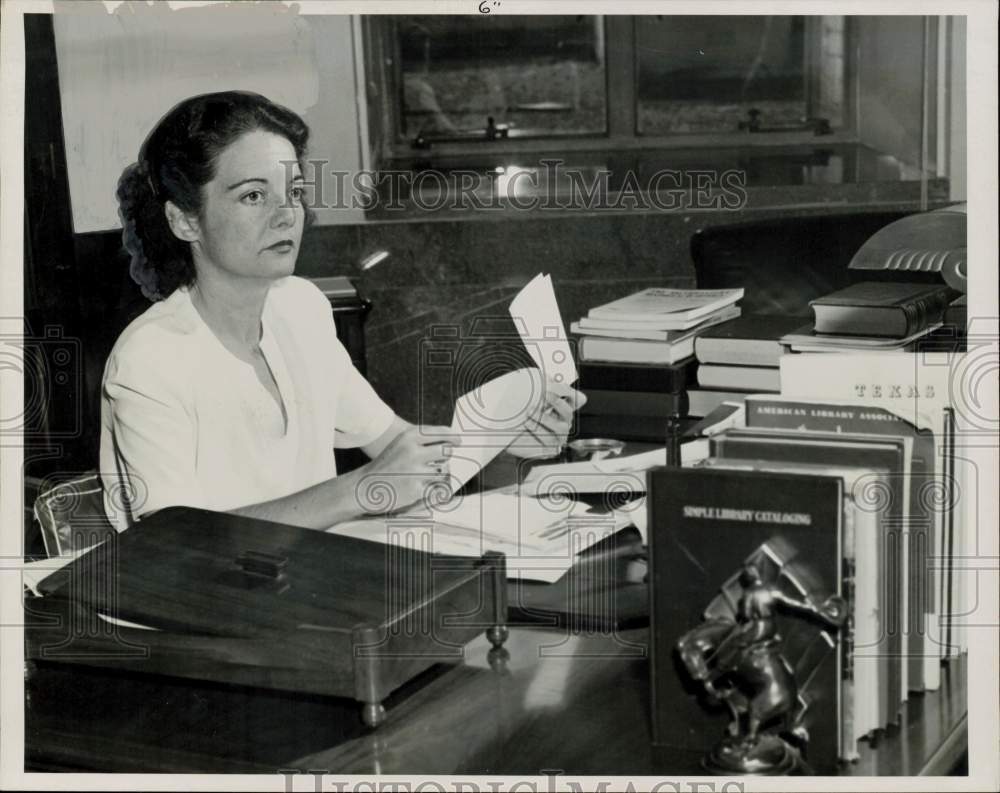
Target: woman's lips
(285, 246)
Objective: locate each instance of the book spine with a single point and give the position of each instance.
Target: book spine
(848, 631)
(601, 402)
(671, 379)
(925, 311)
(623, 427)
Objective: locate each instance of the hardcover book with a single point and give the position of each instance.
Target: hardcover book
(598, 348)
(663, 379)
(622, 426)
(747, 378)
(888, 454)
(702, 401)
(705, 527)
(617, 332)
(750, 340)
(919, 527)
(882, 308)
(657, 303)
(628, 415)
(807, 339)
(602, 402)
(862, 554)
(920, 389)
(665, 322)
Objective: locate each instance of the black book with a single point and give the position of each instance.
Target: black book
(605, 402)
(628, 415)
(659, 378)
(882, 308)
(624, 427)
(750, 340)
(705, 526)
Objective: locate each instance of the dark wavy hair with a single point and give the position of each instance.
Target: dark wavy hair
(175, 161)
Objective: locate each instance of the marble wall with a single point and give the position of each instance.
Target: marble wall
(448, 282)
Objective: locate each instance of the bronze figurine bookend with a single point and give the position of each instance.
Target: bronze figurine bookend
(737, 658)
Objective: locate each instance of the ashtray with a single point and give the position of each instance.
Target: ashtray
(594, 448)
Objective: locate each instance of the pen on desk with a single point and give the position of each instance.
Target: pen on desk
(673, 442)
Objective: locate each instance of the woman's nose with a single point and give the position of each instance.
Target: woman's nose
(283, 214)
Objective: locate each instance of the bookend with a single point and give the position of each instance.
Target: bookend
(746, 620)
(737, 655)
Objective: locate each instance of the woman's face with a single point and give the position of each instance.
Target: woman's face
(250, 224)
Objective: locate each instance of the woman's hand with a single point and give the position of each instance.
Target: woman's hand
(413, 466)
(547, 429)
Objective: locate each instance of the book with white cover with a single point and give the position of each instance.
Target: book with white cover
(657, 303)
(806, 339)
(666, 322)
(749, 378)
(921, 390)
(595, 348)
(600, 328)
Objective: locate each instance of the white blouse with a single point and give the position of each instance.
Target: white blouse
(186, 423)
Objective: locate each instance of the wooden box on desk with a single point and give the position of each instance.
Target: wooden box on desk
(216, 597)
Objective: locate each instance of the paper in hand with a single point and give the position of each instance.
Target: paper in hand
(537, 319)
(490, 417)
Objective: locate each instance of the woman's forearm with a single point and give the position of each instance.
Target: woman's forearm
(327, 503)
(318, 507)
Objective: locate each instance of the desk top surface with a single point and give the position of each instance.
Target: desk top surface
(575, 699)
(576, 702)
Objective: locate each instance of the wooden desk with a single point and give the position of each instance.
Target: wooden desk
(574, 702)
(573, 698)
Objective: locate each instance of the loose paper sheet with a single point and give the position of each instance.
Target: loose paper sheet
(537, 319)
(610, 475)
(540, 537)
(489, 418)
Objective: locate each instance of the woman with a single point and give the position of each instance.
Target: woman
(231, 391)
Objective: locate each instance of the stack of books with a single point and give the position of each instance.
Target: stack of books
(826, 500)
(632, 401)
(873, 316)
(737, 358)
(654, 326)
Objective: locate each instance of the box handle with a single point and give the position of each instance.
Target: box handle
(262, 564)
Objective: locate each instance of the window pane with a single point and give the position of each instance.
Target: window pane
(712, 74)
(541, 75)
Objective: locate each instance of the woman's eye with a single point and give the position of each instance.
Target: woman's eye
(254, 197)
(296, 194)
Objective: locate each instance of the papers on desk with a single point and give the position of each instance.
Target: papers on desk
(612, 475)
(540, 537)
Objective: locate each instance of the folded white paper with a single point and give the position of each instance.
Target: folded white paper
(489, 418)
(537, 319)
